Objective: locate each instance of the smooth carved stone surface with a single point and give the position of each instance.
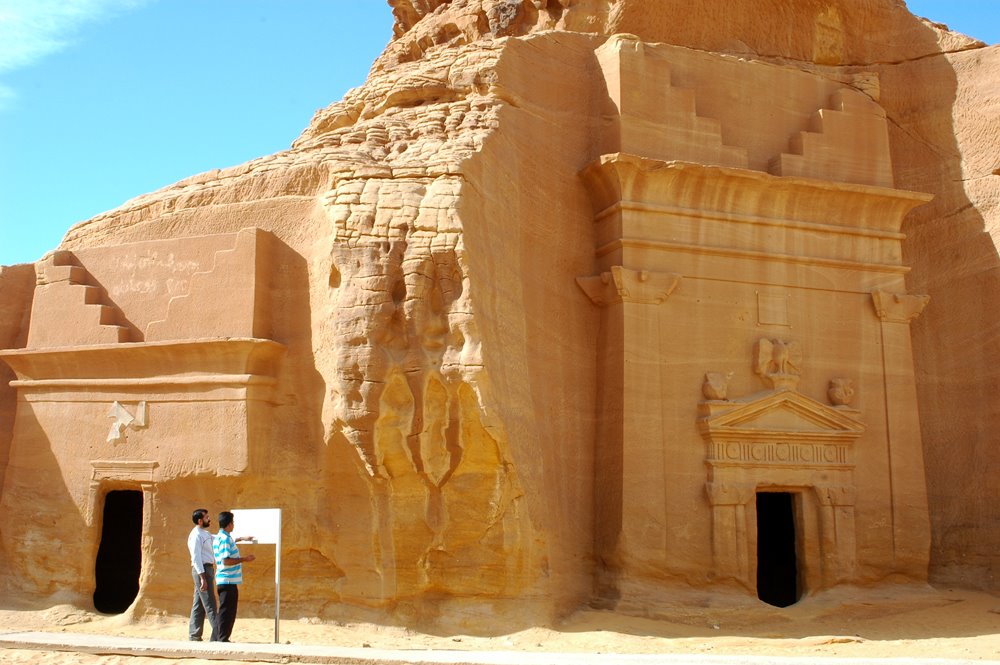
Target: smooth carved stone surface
(534, 314)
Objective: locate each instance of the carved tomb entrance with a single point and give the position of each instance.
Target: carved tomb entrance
(184, 374)
(756, 254)
(119, 556)
(777, 549)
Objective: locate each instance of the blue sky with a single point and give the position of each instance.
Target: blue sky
(103, 100)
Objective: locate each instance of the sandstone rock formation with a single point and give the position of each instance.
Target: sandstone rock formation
(459, 331)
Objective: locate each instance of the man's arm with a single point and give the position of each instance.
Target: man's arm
(201, 555)
(232, 561)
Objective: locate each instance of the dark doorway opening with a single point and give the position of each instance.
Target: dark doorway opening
(119, 556)
(777, 564)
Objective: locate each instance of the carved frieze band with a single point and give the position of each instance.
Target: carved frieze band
(898, 307)
(623, 285)
(778, 453)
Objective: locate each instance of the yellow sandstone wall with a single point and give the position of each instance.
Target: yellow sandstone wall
(431, 433)
(944, 112)
(16, 286)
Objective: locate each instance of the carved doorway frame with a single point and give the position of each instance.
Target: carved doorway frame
(109, 475)
(811, 456)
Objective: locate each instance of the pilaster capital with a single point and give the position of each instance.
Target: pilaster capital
(836, 495)
(623, 285)
(898, 307)
(729, 494)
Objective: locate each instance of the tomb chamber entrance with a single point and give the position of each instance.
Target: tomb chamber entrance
(119, 556)
(777, 545)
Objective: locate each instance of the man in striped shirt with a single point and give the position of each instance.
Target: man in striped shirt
(228, 573)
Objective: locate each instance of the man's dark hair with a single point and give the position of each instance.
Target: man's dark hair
(198, 515)
(225, 519)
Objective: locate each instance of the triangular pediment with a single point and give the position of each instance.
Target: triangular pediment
(785, 414)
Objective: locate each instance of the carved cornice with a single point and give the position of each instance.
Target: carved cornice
(898, 307)
(120, 363)
(188, 370)
(624, 179)
(135, 470)
(633, 286)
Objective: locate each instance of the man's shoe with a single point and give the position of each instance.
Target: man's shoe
(194, 639)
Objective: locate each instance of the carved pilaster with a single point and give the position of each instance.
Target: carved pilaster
(898, 307)
(730, 541)
(836, 495)
(623, 285)
(630, 495)
(838, 542)
(907, 485)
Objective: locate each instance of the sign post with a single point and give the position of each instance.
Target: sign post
(263, 526)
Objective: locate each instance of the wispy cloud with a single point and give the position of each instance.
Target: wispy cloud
(33, 29)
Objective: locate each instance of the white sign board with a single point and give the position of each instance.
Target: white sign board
(262, 524)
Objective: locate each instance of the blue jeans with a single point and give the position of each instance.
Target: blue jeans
(203, 604)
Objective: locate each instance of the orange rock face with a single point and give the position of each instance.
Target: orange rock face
(571, 302)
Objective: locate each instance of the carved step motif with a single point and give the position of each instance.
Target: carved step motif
(656, 119)
(84, 313)
(848, 142)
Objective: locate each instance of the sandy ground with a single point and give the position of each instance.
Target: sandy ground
(898, 621)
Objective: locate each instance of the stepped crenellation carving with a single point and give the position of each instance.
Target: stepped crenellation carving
(846, 142)
(65, 289)
(656, 118)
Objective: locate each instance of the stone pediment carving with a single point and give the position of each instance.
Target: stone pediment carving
(784, 415)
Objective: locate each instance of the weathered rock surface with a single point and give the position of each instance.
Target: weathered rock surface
(16, 286)
(427, 383)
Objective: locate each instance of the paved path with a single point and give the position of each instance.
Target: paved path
(300, 653)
